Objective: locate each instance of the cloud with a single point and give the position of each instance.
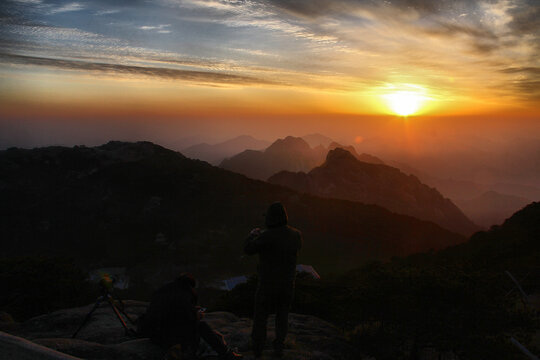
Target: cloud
(449, 29)
(525, 70)
(329, 8)
(248, 14)
(158, 28)
(106, 12)
(480, 38)
(74, 6)
(255, 52)
(29, 1)
(525, 23)
(20, 36)
(526, 18)
(231, 6)
(166, 73)
(525, 81)
(47, 36)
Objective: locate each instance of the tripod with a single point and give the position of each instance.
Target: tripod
(106, 288)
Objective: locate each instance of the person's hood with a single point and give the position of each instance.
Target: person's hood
(186, 280)
(276, 215)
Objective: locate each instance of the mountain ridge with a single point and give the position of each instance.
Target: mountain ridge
(215, 153)
(343, 176)
(290, 154)
(163, 213)
(492, 208)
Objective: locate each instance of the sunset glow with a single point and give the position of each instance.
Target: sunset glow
(253, 61)
(404, 103)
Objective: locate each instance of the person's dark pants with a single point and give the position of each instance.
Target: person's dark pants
(271, 297)
(213, 338)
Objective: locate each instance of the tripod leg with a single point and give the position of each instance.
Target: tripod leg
(122, 309)
(115, 309)
(88, 316)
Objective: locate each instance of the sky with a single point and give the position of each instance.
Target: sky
(85, 71)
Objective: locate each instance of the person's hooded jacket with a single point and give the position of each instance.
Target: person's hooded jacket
(172, 313)
(277, 246)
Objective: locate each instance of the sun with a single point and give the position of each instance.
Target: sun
(404, 103)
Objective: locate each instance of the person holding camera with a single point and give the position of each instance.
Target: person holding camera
(277, 246)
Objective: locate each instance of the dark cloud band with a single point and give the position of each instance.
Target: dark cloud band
(168, 73)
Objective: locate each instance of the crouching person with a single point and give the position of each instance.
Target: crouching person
(174, 318)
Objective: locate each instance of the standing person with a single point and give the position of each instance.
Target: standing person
(174, 318)
(277, 246)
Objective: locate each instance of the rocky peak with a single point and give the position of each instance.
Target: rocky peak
(289, 144)
(343, 176)
(340, 156)
(349, 148)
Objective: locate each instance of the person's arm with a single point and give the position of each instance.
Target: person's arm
(253, 243)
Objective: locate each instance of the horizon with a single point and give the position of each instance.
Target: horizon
(417, 81)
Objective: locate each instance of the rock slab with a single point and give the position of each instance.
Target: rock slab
(104, 337)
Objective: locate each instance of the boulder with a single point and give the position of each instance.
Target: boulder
(16, 348)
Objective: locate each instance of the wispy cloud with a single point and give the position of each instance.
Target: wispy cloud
(229, 6)
(24, 38)
(251, 14)
(160, 29)
(29, 1)
(74, 6)
(107, 12)
(256, 52)
(525, 81)
(168, 73)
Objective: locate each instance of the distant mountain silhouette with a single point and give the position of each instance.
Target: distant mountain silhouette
(214, 154)
(463, 190)
(291, 153)
(492, 208)
(525, 191)
(484, 204)
(362, 157)
(315, 140)
(185, 142)
(158, 213)
(342, 176)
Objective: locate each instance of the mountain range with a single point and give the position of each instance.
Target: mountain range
(158, 213)
(367, 158)
(343, 176)
(291, 154)
(492, 208)
(216, 153)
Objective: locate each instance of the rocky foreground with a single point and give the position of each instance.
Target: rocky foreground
(104, 338)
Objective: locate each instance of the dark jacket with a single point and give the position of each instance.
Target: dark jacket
(171, 317)
(277, 246)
